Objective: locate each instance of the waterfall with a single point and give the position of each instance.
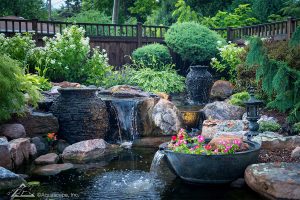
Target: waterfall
(156, 161)
(126, 114)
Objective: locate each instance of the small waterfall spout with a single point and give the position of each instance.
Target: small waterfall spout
(126, 114)
(156, 161)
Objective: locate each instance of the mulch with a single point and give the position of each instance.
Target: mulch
(277, 155)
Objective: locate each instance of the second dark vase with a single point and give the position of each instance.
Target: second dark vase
(198, 84)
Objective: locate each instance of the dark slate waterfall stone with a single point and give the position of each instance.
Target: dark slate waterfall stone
(198, 83)
(81, 114)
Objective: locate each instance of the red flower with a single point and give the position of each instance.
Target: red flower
(181, 137)
(208, 147)
(174, 138)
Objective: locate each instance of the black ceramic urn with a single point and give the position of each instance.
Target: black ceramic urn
(198, 84)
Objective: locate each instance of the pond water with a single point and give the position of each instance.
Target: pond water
(127, 176)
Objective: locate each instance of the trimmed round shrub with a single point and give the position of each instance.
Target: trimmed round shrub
(193, 42)
(152, 54)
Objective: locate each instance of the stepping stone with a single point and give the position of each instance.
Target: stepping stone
(53, 169)
(50, 158)
(275, 180)
(9, 180)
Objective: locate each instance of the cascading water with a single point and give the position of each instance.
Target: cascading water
(126, 114)
(156, 161)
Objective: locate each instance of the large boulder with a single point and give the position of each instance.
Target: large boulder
(52, 169)
(5, 160)
(274, 180)
(13, 131)
(223, 111)
(88, 151)
(167, 117)
(125, 91)
(50, 158)
(212, 128)
(271, 140)
(37, 123)
(221, 90)
(19, 150)
(9, 180)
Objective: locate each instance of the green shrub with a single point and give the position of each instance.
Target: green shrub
(296, 128)
(13, 86)
(238, 99)
(193, 42)
(230, 58)
(11, 97)
(40, 82)
(153, 55)
(157, 81)
(269, 126)
(17, 46)
(119, 77)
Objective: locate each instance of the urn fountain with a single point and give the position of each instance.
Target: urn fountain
(198, 83)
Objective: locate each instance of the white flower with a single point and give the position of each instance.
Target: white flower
(52, 62)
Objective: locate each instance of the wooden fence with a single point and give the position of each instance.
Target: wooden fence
(121, 40)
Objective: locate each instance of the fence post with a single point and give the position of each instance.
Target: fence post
(139, 33)
(229, 34)
(35, 29)
(290, 27)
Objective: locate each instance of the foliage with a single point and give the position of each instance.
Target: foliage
(262, 9)
(119, 77)
(28, 9)
(97, 68)
(291, 8)
(269, 126)
(17, 46)
(184, 13)
(13, 86)
(38, 82)
(295, 40)
(241, 16)
(183, 143)
(193, 42)
(238, 99)
(157, 81)
(141, 11)
(296, 128)
(280, 82)
(230, 55)
(11, 97)
(153, 56)
(90, 16)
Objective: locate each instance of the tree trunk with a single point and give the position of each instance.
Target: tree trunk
(115, 15)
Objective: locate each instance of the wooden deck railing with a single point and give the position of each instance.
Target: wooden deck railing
(277, 30)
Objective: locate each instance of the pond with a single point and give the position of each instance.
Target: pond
(127, 176)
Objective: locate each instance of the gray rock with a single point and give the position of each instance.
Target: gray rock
(52, 169)
(212, 128)
(50, 158)
(125, 91)
(19, 150)
(223, 111)
(264, 118)
(271, 140)
(61, 145)
(13, 131)
(39, 123)
(296, 153)
(88, 151)
(9, 180)
(166, 116)
(54, 90)
(41, 145)
(33, 151)
(5, 160)
(238, 183)
(221, 90)
(126, 145)
(45, 103)
(274, 180)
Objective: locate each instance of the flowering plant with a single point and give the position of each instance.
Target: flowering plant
(183, 143)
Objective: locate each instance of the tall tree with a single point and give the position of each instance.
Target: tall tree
(262, 9)
(115, 15)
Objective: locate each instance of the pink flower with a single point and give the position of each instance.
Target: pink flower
(208, 147)
(216, 151)
(200, 138)
(174, 138)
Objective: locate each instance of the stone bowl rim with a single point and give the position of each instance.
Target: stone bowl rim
(256, 147)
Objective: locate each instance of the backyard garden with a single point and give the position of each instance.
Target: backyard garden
(172, 99)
